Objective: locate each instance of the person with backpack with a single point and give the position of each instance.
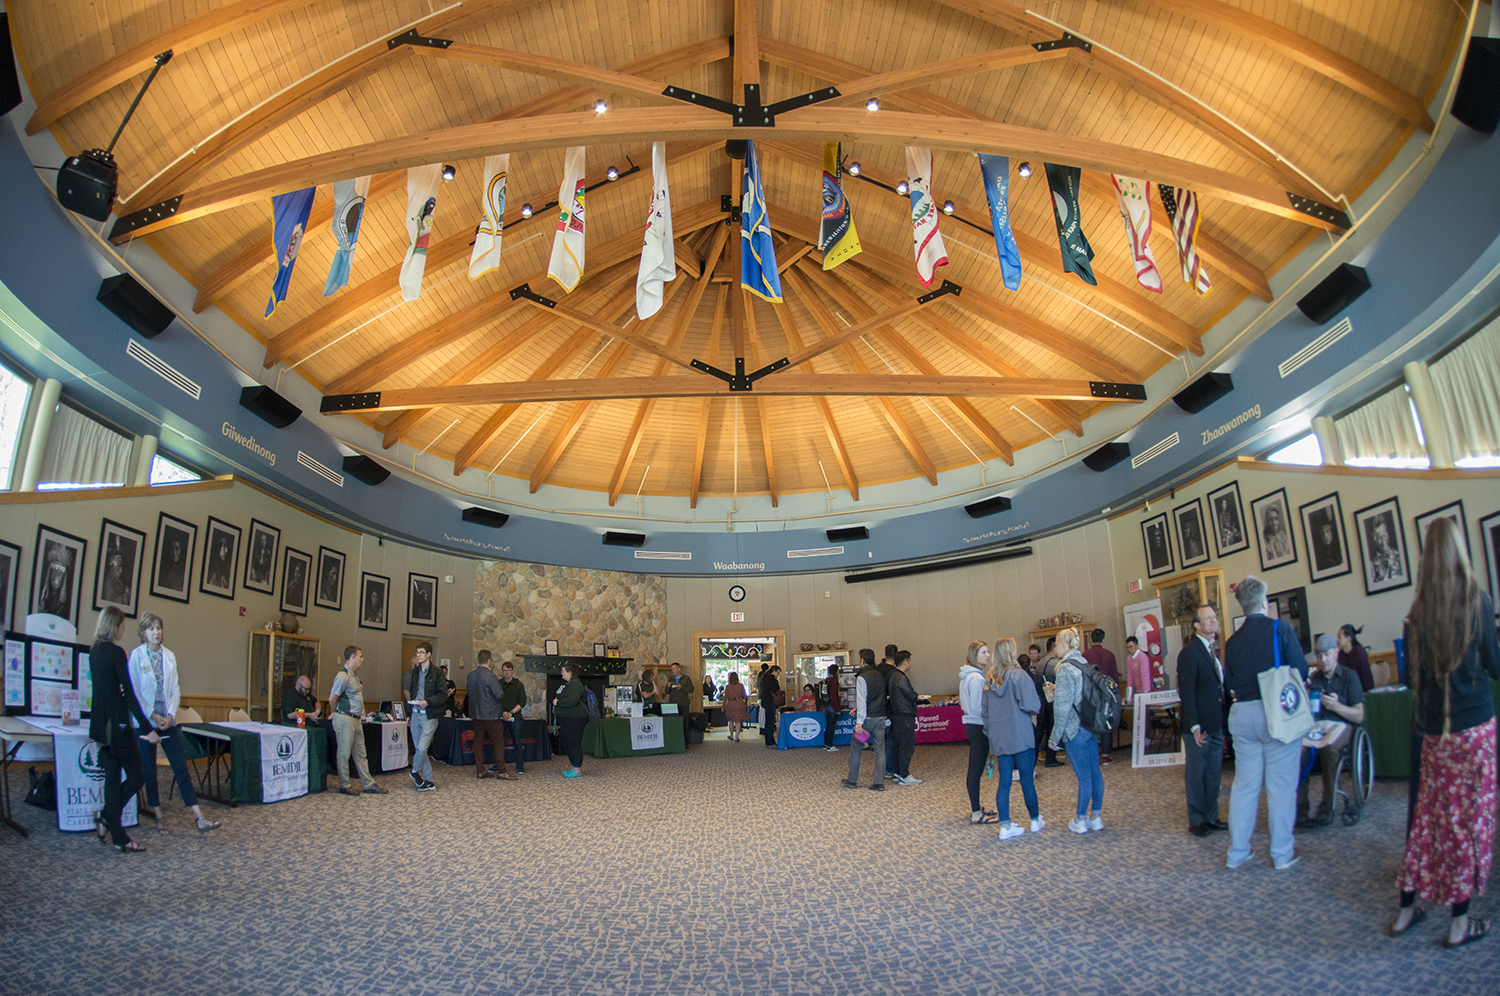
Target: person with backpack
(570, 709)
(1045, 675)
(1068, 728)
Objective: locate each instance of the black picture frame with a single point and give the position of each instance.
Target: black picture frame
(221, 558)
(374, 601)
(1453, 510)
(1290, 607)
(421, 600)
(260, 557)
(57, 573)
(1156, 539)
(1226, 513)
(296, 581)
(10, 583)
(117, 568)
(1326, 541)
(172, 563)
(330, 576)
(1382, 546)
(1274, 538)
(1192, 537)
(1489, 536)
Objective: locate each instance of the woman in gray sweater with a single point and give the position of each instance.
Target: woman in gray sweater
(1010, 710)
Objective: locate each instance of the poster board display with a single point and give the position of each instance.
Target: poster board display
(1142, 706)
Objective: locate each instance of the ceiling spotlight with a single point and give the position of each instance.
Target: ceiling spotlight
(600, 106)
(1024, 169)
(612, 174)
(902, 188)
(526, 211)
(872, 104)
(948, 207)
(854, 168)
(449, 172)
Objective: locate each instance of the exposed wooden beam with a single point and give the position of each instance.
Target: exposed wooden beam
(609, 80)
(574, 421)
(715, 351)
(837, 337)
(746, 46)
(880, 84)
(825, 415)
(762, 407)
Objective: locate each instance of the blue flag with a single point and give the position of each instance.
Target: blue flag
(290, 212)
(348, 208)
(758, 272)
(996, 170)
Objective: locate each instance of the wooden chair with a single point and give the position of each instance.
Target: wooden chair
(239, 716)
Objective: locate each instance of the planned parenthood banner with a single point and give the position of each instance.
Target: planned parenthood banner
(283, 759)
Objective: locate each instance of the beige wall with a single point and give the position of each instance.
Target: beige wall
(208, 635)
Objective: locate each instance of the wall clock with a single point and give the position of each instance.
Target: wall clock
(737, 593)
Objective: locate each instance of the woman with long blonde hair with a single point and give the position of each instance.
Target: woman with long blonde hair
(1011, 706)
(971, 698)
(1451, 645)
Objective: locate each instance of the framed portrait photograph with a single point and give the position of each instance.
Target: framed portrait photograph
(1157, 539)
(1273, 530)
(374, 600)
(221, 558)
(117, 573)
(296, 581)
(1192, 539)
(330, 594)
(1382, 544)
(1290, 607)
(172, 569)
(1226, 513)
(10, 570)
(57, 573)
(1327, 543)
(1453, 510)
(598, 650)
(1489, 534)
(421, 600)
(260, 557)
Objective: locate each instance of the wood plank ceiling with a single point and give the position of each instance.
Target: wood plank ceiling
(1244, 101)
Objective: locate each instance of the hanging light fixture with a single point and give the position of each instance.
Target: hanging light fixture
(600, 106)
(873, 104)
(902, 188)
(611, 174)
(449, 171)
(526, 211)
(948, 207)
(854, 168)
(1024, 169)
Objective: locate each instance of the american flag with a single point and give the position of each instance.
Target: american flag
(1182, 208)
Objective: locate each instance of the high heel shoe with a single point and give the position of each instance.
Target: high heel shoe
(100, 830)
(130, 847)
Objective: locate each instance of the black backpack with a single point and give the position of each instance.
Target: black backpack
(592, 699)
(1099, 705)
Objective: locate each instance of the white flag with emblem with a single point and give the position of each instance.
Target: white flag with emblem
(486, 254)
(421, 201)
(658, 258)
(566, 265)
(928, 244)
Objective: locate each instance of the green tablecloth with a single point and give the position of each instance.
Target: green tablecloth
(244, 748)
(611, 738)
(1388, 721)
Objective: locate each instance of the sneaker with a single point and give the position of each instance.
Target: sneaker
(910, 780)
(890, 775)
(570, 773)
(1037, 824)
(416, 779)
(1078, 825)
(830, 747)
(427, 786)
(1097, 823)
(1284, 865)
(1011, 830)
(1106, 759)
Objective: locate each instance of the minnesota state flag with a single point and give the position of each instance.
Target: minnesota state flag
(289, 212)
(758, 272)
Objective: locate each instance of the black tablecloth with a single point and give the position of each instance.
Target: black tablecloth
(454, 739)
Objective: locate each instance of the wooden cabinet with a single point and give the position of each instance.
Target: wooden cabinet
(276, 659)
(1182, 593)
(1085, 636)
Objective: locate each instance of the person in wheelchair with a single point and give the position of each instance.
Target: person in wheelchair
(1343, 699)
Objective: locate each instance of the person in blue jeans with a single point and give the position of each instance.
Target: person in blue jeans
(1010, 708)
(1083, 746)
(425, 689)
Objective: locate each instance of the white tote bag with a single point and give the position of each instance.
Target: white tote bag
(1288, 715)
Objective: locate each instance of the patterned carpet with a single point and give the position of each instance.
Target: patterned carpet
(728, 870)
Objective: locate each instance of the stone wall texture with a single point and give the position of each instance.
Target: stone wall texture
(517, 607)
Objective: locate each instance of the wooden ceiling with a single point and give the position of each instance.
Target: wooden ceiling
(1251, 103)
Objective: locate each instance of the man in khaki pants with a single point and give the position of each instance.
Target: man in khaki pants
(346, 700)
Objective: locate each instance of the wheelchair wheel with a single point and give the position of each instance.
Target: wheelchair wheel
(1363, 758)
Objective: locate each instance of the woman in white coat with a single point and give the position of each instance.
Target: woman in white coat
(153, 674)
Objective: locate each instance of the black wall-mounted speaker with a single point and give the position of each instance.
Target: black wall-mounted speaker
(848, 534)
(10, 85)
(1338, 290)
(1477, 101)
(989, 506)
(86, 184)
(270, 406)
(485, 517)
(1106, 456)
(624, 539)
(1203, 392)
(134, 305)
(363, 468)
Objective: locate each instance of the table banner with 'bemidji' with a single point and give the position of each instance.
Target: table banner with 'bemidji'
(283, 759)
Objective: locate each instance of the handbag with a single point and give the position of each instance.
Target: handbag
(1288, 715)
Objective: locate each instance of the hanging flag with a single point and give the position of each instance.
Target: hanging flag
(289, 224)
(1182, 207)
(1135, 210)
(566, 265)
(486, 254)
(421, 202)
(758, 272)
(658, 255)
(928, 244)
(996, 172)
(837, 239)
(348, 208)
(1076, 251)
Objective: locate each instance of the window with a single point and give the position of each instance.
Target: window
(167, 471)
(15, 393)
(1305, 452)
(83, 452)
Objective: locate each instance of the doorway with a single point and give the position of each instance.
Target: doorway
(718, 652)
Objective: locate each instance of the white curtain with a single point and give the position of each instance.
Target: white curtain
(1467, 384)
(1382, 428)
(81, 451)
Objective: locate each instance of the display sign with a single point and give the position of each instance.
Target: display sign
(80, 778)
(1142, 706)
(646, 733)
(283, 759)
(393, 741)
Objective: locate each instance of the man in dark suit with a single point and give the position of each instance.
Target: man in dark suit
(1200, 681)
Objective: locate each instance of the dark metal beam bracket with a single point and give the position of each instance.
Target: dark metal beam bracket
(1111, 391)
(332, 404)
(752, 113)
(160, 211)
(525, 291)
(947, 287)
(1319, 210)
(412, 38)
(739, 380)
(1066, 41)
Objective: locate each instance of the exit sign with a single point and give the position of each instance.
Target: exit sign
(736, 617)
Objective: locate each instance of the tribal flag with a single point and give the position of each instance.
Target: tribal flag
(658, 255)
(348, 208)
(837, 239)
(566, 265)
(421, 201)
(996, 172)
(1076, 251)
(928, 244)
(486, 254)
(1182, 208)
(289, 225)
(1135, 210)
(758, 272)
